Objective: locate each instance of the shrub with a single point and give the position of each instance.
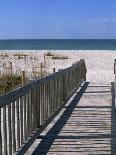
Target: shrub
(8, 83)
(49, 54)
(59, 57)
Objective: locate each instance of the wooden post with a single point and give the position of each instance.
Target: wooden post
(0, 134)
(54, 70)
(115, 80)
(114, 66)
(11, 69)
(25, 59)
(44, 59)
(23, 78)
(41, 70)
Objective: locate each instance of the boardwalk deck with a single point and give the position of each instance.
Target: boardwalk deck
(86, 125)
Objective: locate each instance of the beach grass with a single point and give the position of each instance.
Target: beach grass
(59, 57)
(49, 54)
(8, 83)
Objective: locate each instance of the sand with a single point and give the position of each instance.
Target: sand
(99, 63)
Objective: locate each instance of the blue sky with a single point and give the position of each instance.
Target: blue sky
(60, 19)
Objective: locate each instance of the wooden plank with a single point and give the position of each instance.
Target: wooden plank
(21, 119)
(4, 130)
(34, 109)
(31, 111)
(28, 115)
(43, 103)
(46, 101)
(38, 107)
(13, 127)
(23, 78)
(0, 134)
(18, 124)
(9, 130)
(50, 105)
(25, 111)
(53, 95)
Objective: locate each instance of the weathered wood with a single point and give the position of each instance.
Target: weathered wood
(41, 70)
(13, 127)
(35, 103)
(87, 125)
(54, 70)
(115, 79)
(38, 108)
(21, 119)
(23, 78)
(0, 135)
(25, 111)
(16, 94)
(11, 69)
(9, 130)
(28, 115)
(5, 130)
(31, 107)
(18, 124)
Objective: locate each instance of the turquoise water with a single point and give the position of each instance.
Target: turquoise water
(58, 44)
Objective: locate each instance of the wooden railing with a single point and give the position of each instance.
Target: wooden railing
(24, 110)
(115, 80)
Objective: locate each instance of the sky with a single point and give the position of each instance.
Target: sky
(57, 19)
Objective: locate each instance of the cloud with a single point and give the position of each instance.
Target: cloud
(102, 20)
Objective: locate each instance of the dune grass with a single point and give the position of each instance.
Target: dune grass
(8, 83)
(59, 57)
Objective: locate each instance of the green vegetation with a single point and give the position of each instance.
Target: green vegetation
(20, 56)
(59, 57)
(8, 83)
(54, 56)
(49, 54)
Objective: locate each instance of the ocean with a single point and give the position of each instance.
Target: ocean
(58, 44)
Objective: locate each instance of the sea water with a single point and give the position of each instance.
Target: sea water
(58, 44)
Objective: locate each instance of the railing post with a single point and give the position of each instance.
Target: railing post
(54, 70)
(115, 80)
(83, 69)
(64, 87)
(23, 78)
(41, 70)
(11, 69)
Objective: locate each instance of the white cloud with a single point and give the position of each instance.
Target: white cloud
(102, 20)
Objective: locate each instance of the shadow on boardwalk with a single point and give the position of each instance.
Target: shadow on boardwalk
(92, 136)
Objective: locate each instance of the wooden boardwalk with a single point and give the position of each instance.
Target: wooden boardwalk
(85, 126)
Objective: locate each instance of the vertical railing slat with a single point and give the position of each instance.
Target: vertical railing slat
(18, 123)
(28, 116)
(5, 130)
(13, 127)
(9, 130)
(0, 134)
(21, 119)
(25, 111)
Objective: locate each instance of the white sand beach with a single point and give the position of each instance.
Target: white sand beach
(99, 63)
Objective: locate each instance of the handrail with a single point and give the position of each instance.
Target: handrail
(25, 109)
